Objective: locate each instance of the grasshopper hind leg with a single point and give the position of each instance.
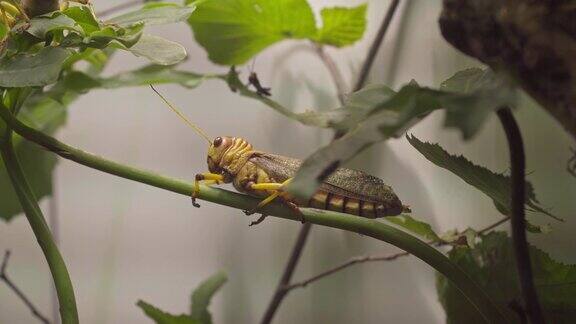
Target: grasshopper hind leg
(277, 189)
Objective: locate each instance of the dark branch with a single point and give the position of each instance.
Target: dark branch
(4, 277)
(334, 72)
(518, 182)
(280, 292)
(376, 45)
(351, 262)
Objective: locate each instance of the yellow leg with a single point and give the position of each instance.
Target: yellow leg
(269, 186)
(207, 179)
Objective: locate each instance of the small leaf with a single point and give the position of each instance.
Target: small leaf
(161, 317)
(84, 17)
(342, 26)
(41, 26)
(482, 92)
(494, 185)
(233, 31)
(538, 229)
(203, 294)
(34, 70)
(162, 13)
(415, 226)
(158, 50)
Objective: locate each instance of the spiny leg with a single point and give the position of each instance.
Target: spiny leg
(277, 188)
(207, 179)
(268, 186)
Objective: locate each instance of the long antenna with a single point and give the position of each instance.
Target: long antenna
(181, 115)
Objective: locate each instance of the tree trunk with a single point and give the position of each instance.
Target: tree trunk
(533, 41)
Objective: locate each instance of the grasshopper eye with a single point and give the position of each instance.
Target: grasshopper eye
(217, 141)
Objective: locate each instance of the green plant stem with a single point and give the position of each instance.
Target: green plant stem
(364, 226)
(518, 219)
(64, 289)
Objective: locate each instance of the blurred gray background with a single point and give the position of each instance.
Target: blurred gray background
(125, 241)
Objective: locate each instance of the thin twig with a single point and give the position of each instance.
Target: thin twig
(376, 45)
(518, 199)
(571, 165)
(119, 7)
(280, 292)
(351, 262)
(372, 258)
(334, 72)
(4, 277)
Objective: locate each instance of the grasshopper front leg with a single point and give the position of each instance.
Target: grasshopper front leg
(206, 178)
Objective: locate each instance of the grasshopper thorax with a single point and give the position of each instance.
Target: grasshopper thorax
(227, 155)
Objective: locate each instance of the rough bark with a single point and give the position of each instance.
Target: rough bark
(533, 41)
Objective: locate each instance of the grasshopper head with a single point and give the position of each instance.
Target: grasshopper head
(226, 155)
(216, 152)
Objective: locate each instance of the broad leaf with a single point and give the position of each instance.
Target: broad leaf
(342, 26)
(494, 185)
(158, 50)
(491, 264)
(151, 74)
(202, 296)
(156, 14)
(415, 226)
(40, 69)
(233, 31)
(387, 115)
(387, 119)
(485, 91)
(161, 317)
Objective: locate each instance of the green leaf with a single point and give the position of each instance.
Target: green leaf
(84, 17)
(161, 317)
(34, 70)
(388, 118)
(491, 264)
(151, 74)
(157, 14)
(415, 226)
(483, 91)
(233, 31)
(494, 185)
(41, 26)
(342, 26)
(78, 27)
(202, 296)
(158, 50)
(3, 31)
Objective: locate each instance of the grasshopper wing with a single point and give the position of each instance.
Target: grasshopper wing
(344, 182)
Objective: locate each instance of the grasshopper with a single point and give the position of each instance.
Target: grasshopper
(264, 175)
